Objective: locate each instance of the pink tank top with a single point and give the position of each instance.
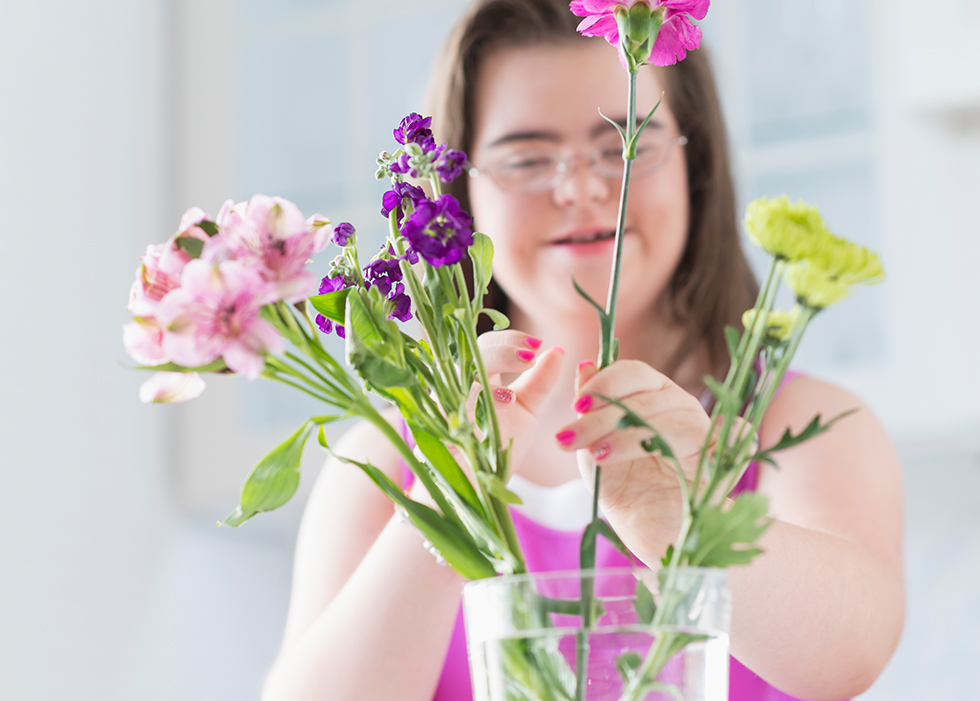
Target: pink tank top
(549, 550)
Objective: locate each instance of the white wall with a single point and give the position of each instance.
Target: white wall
(82, 191)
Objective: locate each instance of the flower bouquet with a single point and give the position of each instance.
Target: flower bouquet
(232, 295)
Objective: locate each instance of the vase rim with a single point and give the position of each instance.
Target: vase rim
(580, 574)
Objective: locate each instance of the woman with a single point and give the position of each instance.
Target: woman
(373, 616)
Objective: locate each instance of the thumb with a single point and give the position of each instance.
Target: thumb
(534, 385)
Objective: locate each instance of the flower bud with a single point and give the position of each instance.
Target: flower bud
(639, 26)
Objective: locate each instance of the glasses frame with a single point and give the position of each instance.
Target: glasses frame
(564, 166)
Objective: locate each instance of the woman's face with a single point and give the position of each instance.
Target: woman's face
(549, 97)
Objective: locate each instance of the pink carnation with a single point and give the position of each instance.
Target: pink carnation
(677, 36)
(215, 313)
(271, 236)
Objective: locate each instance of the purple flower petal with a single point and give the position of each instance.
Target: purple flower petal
(678, 35)
(698, 9)
(325, 324)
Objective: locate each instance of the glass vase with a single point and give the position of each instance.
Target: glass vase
(649, 636)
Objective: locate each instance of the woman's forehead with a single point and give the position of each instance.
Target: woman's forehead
(557, 90)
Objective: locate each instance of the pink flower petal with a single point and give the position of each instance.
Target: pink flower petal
(243, 361)
(143, 340)
(678, 35)
(192, 217)
(171, 387)
(698, 9)
(600, 26)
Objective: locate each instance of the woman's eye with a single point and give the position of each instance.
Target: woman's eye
(528, 161)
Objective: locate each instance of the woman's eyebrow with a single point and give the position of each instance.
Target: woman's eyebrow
(534, 135)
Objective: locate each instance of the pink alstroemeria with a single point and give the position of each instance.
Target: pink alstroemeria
(162, 264)
(171, 387)
(677, 34)
(143, 339)
(271, 236)
(215, 313)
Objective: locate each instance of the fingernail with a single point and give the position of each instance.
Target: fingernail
(565, 438)
(526, 356)
(502, 394)
(559, 349)
(600, 451)
(583, 403)
(584, 364)
(532, 342)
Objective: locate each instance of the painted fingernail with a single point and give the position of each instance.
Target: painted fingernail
(502, 394)
(532, 342)
(600, 451)
(583, 403)
(565, 438)
(584, 364)
(526, 356)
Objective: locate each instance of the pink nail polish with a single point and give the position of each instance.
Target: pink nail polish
(583, 403)
(584, 364)
(526, 356)
(600, 451)
(502, 394)
(532, 342)
(565, 438)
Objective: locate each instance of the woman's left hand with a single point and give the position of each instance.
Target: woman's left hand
(639, 492)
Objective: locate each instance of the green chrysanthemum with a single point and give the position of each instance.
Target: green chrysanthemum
(786, 230)
(814, 287)
(848, 262)
(780, 323)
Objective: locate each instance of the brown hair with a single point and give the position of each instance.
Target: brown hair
(713, 283)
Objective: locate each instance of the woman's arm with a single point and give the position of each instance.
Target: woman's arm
(819, 614)
(372, 611)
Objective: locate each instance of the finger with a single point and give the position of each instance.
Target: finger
(628, 378)
(534, 386)
(586, 370)
(682, 430)
(507, 352)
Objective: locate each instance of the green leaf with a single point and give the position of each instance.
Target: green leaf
(788, 440)
(332, 305)
(606, 531)
(500, 320)
(646, 607)
(191, 245)
(442, 460)
(722, 538)
(364, 345)
(481, 253)
(632, 146)
(725, 397)
(732, 338)
(495, 487)
(273, 481)
(627, 664)
(622, 133)
(216, 366)
(585, 295)
(322, 438)
(631, 419)
(210, 228)
(455, 546)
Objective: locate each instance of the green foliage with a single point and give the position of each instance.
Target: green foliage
(495, 488)
(722, 538)
(332, 305)
(442, 460)
(646, 607)
(273, 481)
(630, 419)
(481, 253)
(500, 320)
(192, 246)
(732, 338)
(455, 545)
(209, 227)
(215, 366)
(367, 347)
(627, 664)
(788, 440)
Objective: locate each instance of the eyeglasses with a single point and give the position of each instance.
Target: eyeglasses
(531, 170)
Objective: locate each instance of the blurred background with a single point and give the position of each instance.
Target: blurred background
(117, 115)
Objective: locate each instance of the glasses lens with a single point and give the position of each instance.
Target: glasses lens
(526, 171)
(652, 151)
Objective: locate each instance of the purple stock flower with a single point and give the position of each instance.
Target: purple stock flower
(415, 129)
(325, 324)
(402, 167)
(402, 193)
(383, 274)
(401, 304)
(341, 331)
(332, 284)
(439, 231)
(342, 233)
(449, 165)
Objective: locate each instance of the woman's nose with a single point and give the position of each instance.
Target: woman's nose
(580, 184)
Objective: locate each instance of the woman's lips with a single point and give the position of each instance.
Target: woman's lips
(586, 243)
